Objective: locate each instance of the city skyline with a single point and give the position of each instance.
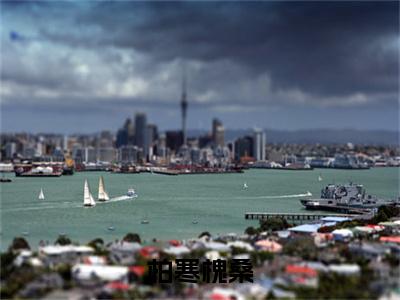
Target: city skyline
(86, 67)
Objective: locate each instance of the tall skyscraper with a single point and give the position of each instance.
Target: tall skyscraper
(218, 133)
(141, 132)
(125, 135)
(184, 105)
(259, 144)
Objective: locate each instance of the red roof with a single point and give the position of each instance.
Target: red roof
(138, 270)
(174, 243)
(117, 285)
(390, 239)
(293, 269)
(148, 251)
(373, 226)
(217, 296)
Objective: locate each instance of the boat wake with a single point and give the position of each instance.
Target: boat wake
(277, 196)
(116, 199)
(40, 208)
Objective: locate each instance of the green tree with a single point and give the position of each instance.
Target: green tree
(132, 238)
(273, 224)
(63, 240)
(250, 230)
(204, 233)
(19, 243)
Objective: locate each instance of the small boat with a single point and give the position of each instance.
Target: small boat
(41, 195)
(145, 221)
(102, 196)
(25, 233)
(308, 194)
(111, 228)
(195, 222)
(319, 177)
(245, 186)
(131, 193)
(5, 179)
(88, 200)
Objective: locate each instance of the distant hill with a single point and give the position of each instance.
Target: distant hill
(322, 136)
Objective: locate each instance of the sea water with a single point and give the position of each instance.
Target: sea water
(217, 202)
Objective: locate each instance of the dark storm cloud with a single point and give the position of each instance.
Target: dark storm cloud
(326, 49)
(257, 57)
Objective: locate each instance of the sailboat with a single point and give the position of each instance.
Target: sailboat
(41, 194)
(103, 196)
(88, 200)
(319, 178)
(245, 186)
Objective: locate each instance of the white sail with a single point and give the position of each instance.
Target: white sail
(245, 186)
(87, 196)
(41, 194)
(319, 178)
(103, 196)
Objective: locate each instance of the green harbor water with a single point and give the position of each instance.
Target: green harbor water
(170, 203)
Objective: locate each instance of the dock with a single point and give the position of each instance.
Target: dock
(294, 218)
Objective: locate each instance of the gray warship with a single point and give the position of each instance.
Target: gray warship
(339, 197)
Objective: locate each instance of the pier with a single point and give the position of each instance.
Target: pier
(297, 218)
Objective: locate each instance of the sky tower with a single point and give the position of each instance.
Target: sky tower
(184, 105)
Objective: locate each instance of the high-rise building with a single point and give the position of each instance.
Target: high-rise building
(141, 132)
(218, 133)
(259, 144)
(125, 135)
(184, 105)
(244, 147)
(174, 140)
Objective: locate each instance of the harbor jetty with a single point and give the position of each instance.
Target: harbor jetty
(296, 218)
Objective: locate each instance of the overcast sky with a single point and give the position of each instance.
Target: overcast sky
(86, 66)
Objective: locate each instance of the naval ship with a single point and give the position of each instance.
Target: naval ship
(342, 197)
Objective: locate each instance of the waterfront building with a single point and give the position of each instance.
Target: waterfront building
(141, 132)
(106, 154)
(128, 154)
(29, 152)
(259, 144)
(90, 155)
(10, 150)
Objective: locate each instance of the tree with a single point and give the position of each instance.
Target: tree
(63, 240)
(132, 238)
(19, 243)
(250, 230)
(205, 233)
(273, 224)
